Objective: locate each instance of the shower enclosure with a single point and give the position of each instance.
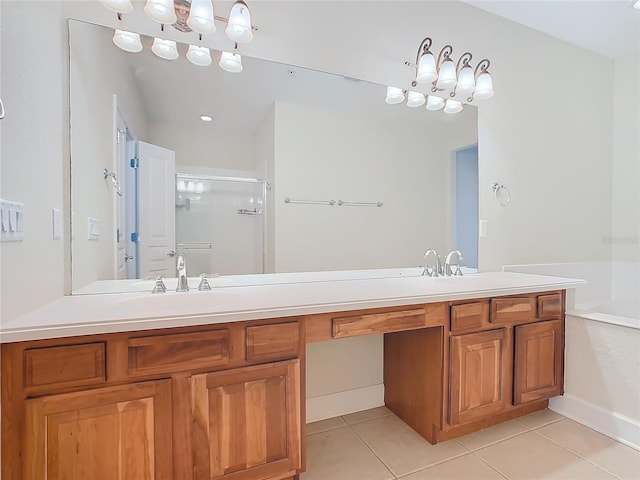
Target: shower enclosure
(220, 224)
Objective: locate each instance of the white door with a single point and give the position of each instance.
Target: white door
(156, 211)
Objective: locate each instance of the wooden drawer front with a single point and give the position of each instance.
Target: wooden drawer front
(171, 353)
(64, 366)
(549, 306)
(273, 342)
(378, 323)
(469, 317)
(512, 309)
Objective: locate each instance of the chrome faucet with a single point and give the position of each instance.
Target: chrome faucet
(181, 266)
(436, 271)
(447, 264)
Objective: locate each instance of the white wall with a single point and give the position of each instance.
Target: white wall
(34, 151)
(92, 136)
(625, 231)
(326, 155)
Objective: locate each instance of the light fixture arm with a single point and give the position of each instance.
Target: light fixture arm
(445, 54)
(226, 20)
(463, 61)
(424, 47)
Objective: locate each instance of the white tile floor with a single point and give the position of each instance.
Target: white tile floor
(377, 445)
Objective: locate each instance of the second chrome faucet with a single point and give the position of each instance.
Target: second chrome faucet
(181, 267)
(437, 269)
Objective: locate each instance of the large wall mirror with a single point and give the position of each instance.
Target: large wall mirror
(298, 170)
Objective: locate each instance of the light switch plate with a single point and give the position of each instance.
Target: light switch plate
(11, 221)
(484, 225)
(56, 217)
(93, 229)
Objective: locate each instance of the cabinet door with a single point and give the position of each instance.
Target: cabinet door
(114, 433)
(246, 422)
(479, 376)
(539, 362)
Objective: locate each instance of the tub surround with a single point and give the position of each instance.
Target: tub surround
(93, 314)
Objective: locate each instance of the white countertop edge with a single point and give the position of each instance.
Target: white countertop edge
(140, 323)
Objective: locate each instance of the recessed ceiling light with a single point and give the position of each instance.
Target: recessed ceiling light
(206, 118)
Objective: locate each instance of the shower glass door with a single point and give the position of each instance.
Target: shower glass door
(220, 224)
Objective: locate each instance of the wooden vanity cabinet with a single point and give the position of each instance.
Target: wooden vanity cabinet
(207, 402)
(505, 359)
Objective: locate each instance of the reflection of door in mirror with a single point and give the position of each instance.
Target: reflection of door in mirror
(156, 237)
(465, 201)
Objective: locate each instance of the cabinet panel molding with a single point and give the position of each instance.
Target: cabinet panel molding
(278, 341)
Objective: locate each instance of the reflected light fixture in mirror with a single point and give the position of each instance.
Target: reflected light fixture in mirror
(200, 56)
(394, 95)
(230, 62)
(127, 41)
(187, 16)
(165, 49)
(434, 103)
(415, 99)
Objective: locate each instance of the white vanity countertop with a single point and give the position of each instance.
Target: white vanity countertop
(121, 312)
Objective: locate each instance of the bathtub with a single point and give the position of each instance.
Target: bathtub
(602, 347)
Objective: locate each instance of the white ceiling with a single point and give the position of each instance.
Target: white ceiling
(608, 27)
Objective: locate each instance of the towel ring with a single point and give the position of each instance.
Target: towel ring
(503, 198)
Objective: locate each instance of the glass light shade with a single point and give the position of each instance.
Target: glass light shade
(434, 103)
(200, 56)
(127, 41)
(239, 27)
(199, 187)
(484, 86)
(166, 49)
(426, 69)
(636, 5)
(447, 75)
(415, 99)
(201, 18)
(118, 6)
(394, 95)
(161, 11)
(230, 62)
(466, 81)
(452, 106)
(181, 186)
(191, 187)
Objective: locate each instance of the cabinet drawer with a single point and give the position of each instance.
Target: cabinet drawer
(273, 342)
(549, 305)
(64, 366)
(378, 323)
(469, 317)
(512, 309)
(172, 353)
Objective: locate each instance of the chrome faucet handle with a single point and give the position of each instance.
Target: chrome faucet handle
(458, 272)
(204, 283)
(159, 287)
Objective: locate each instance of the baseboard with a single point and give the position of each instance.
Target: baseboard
(619, 427)
(343, 403)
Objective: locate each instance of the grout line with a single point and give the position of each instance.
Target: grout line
(366, 420)
(495, 469)
(372, 451)
(577, 454)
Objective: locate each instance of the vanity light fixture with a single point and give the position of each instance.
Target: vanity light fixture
(230, 62)
(435, 103)
(394, 95)
(452, 106)
(445, 75)
(127, 41)
(415, 99)
(201, 18)
(166, 49)
(200, 56)
(118, 6)
(161, 11)
(636, 4)
(239, 26)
